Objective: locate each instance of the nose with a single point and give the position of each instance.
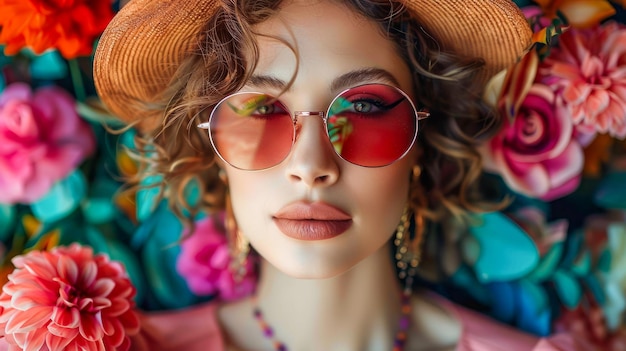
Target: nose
(312, 161)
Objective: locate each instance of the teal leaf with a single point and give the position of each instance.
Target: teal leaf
(7, 221)
(465, 278)
(192, 193)
(98, 210)
(596, 288)
(159, 254)
(147, 197)
(92, 110)
(117, 251)
(568, 288)
(534, 313)
(99, 207)
(604, 261)
(573, 247)
(547, 265)
(502, 296)
(582, 266)
(506, 251)
(64, 197)
(611, 192)
(48, 66)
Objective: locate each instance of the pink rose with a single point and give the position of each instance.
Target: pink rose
(588, 71)
(204, 263)
(42, 139)
(537, 154)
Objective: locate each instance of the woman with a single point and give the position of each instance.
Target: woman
(337, 130)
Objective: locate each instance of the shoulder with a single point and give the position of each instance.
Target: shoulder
(434, 323)
(473, 331)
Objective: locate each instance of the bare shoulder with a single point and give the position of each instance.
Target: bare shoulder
(436, 325)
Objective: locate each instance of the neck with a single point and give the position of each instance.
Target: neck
(357, 310)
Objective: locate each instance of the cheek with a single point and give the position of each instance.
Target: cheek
(381, 199)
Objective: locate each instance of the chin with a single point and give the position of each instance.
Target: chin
(313, 269)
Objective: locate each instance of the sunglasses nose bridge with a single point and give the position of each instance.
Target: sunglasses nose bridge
(297, 114)
(297, 121)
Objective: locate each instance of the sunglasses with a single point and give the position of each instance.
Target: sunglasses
(371, 125)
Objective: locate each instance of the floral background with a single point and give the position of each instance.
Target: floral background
(560, 157)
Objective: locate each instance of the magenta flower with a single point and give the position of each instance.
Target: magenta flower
(588, 71)
(42, 139)
(536, 153)
(204, 263)
(67, 299)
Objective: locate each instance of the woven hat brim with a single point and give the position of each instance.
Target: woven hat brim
(141, 48)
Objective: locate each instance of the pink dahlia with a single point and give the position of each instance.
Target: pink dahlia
(204, 262)
(67, 299)
(588, 69)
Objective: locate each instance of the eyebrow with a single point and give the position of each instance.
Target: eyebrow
(346, 80)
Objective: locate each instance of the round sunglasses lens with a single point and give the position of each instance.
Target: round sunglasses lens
(251, 131)
(372, 125)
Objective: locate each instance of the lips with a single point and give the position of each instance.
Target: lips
(312, 221)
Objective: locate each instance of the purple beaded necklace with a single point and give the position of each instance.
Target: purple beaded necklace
(398, 342)
(408, 256)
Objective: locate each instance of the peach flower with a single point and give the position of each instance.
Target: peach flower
(588, 70)
(204, 263)
(67, 299)
(42, 139)
(536, 153)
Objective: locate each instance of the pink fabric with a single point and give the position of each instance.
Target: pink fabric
(197, 329)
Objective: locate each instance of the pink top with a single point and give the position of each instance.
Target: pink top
(197, 329)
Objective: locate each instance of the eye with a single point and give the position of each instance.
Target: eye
(363, 106)
(256, 106)
(264, 110)
(368, 105)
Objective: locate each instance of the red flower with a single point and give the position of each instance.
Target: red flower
(67, 299)
(71, 26)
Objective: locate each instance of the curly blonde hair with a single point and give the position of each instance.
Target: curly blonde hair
(225, 57)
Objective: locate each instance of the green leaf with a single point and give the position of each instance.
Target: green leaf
(64, 197)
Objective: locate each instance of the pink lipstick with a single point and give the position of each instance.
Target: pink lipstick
(311, 221)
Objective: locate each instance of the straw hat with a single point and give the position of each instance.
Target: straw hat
(142, 46)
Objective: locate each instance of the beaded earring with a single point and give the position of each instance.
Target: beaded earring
(408, 247)
(239, 246)
(408, 255)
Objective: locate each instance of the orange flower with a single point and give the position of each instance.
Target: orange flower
(579, 13)
(71, 26)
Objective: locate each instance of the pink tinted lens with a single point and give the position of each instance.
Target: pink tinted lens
(372, 125)
(251, 131)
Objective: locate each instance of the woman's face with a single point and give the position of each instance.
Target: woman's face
(357, 208)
